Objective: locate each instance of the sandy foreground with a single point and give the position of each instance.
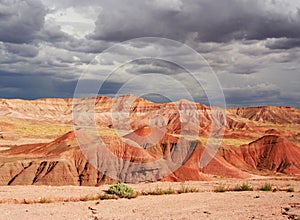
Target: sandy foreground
(205, 204)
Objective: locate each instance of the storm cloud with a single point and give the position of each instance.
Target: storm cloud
(252, 46)
(212, 21)
(20, 21)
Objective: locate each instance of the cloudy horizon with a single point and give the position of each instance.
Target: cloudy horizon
(252, 46)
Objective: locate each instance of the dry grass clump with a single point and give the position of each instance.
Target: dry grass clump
(221, 188)
(266, 187)
(159, 191)
(243, 187)
(187, 189)
(107, 196)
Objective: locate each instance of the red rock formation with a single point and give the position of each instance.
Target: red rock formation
(153, 132)
(273, 114)
(269, 153)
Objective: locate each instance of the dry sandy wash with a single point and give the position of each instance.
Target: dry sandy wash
(205, 204)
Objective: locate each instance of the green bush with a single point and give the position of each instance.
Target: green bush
(266, 187)
(243, 187)
(121, 190)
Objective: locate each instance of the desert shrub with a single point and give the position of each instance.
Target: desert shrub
(266, 187)
(221, 188)
(186, 189)
(160, 191)
(243, 187)
(122, 190)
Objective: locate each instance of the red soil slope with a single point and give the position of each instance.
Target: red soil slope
(269, 153)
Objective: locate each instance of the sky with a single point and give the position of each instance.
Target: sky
(251, 47)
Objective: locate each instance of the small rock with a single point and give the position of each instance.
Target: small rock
(293, 216)
(284, 213)
(286, 208)
(206, 212)
(257, 197)
(90, 208)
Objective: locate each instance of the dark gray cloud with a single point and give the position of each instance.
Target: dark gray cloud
(144, 66)
(284, 43)
(24, 50)
(84, 45)
(218, 21)
(29, 86)
(260, 94)
(20, 21)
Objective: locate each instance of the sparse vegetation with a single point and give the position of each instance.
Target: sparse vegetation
(107, 196)
(221, 188)
(122, 190)
(290, 188)
(266, 187)
(89, 198)
(30, 129)
(44, 200)
(243, 187)
(187, 189)
(160, 191)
